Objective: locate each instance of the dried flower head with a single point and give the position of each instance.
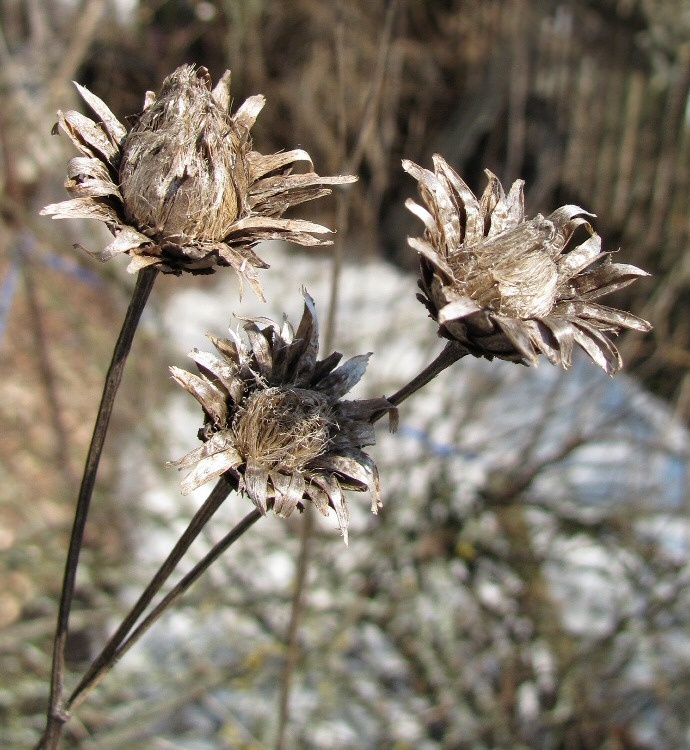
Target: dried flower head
(275, 420)
(504, 286)
(183, 190)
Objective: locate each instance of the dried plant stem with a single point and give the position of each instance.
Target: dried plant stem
(452, 352)
(194, 574)
(342, 216)
(56, 714)
(104, 661)
(296, 610)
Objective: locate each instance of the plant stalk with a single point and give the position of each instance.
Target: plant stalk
(56, 715)
(104, 661)
(292, 650)
(185, 582)
(452, 352)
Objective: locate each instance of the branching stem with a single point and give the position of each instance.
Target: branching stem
(185, 582)
(102, 664)
(127, 634)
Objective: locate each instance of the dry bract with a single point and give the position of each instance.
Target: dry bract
(183, 190)
(275, 420)
(508, 287)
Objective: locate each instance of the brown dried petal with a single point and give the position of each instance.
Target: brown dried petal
(544, 341)
(473, 231)
(331, 488)
(579, 257)
(289, 491)
(88, 137)
(220, 442)
(335, 385)
(115, 129)
(209, 468)
(355, 467)
(255, 480)
(221, 91)
(301, 355)
(597, 346)
(211, 399)
(602, 314)
(605, 279)
(225, 372)
(246, 115)
(82, 208)
(261, 349)
(519, 336)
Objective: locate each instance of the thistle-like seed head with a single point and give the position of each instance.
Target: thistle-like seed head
(183, 190)
(276, 422)
(509, 287)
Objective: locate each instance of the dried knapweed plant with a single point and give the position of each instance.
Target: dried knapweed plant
(276, 422)
(184, 190)
(505, 286)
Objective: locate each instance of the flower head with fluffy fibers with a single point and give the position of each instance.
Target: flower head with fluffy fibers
(275, 421)
(506, 286)
(183, 190)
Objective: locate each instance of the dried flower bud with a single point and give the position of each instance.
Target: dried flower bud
(184, 174)
(502, 285)
(183, 190)
(276, 423)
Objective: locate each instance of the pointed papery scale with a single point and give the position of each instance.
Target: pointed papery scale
(221, 91)
(209, 468)
(335, 385)
(82, 208)
(605, 279)
(289, 493)
(255, 481)
(89, 139)
(211, 399)
(331, 488)
(126, 239)
(305, 347)
(115, 129)
(225, 372)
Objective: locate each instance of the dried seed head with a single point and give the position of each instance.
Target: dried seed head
(276, 421)
(503, 286)
(282, 428)
(183, 175)
(513, 274)
(183, 190)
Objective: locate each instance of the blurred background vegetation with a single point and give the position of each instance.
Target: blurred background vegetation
(587, 100)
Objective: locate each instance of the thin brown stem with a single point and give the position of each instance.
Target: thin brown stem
(452, 352)
(102, 663)
(296, 610)
(194, 574)
(56, 714)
